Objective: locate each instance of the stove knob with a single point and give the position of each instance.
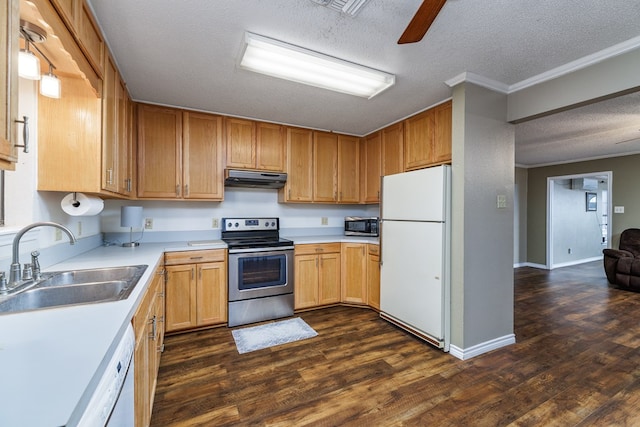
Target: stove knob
(273, 224)
(237, 225)
(229, 225)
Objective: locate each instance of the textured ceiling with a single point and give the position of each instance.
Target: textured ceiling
(185, 53)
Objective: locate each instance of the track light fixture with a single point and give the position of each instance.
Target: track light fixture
(29, 63)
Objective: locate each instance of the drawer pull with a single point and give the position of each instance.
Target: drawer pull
(196, 257)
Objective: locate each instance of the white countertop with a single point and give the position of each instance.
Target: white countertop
(51, 360)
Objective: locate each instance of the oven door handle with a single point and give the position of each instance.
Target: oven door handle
(271, 249)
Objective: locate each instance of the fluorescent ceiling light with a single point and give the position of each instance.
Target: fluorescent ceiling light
(278, 59)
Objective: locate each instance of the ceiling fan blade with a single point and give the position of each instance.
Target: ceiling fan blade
(421, 21)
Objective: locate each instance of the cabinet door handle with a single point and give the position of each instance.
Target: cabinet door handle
(177, 190)
(25, 134)
(200, 273)
(154, 327)
(193, 272)
(186, 190)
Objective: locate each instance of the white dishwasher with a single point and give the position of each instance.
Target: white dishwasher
(112, 402)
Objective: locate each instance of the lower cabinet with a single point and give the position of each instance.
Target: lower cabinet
(354, 273)
(148, 324)
(317, 275)
(373, 276)
(196, 289)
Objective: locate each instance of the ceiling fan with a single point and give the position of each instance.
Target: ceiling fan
(421, 21)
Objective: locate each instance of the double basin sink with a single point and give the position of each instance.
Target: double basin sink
(73, 287)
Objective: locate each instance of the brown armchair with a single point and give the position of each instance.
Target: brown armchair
(622, 266)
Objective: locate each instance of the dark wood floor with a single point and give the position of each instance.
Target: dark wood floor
(576, 363)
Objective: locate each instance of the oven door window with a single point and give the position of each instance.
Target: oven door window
(262, 272)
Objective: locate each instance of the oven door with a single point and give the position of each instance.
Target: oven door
(258, 273)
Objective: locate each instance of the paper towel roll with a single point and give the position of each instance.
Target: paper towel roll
(82, 206)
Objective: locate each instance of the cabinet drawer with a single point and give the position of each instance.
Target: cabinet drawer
(374, 249)
(189, 257)
(317, 248)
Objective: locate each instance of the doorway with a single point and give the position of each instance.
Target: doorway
(578, 218)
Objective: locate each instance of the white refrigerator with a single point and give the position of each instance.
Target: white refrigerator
(415, 253)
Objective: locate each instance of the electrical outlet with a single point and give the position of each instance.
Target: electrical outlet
(79, 228)
(325, 220)
(58, 234)
(148, 223)
(215, 223)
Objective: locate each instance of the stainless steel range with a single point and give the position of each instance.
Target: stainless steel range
(260, 270)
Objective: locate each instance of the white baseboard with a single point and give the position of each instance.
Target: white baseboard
(577, 262)
(478, 349)
(531, 264)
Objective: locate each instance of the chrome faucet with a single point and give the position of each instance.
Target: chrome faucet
(14, 274)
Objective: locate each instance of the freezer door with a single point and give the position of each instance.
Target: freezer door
(419, 195)
(411, 275)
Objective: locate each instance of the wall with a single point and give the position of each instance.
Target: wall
(178, 220)
(626, 175)
(482, 234)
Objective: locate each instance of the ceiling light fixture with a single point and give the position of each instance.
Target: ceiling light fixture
(278, 59)
(29, 64)
(50, 84)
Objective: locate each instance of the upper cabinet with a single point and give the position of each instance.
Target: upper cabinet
(325, 167)
(78, 18)
(254, 145)
(179, 154)
(9, 18)
(299, 186)
(348, 169)
(427, 138)
(372, 169)
(392, 140)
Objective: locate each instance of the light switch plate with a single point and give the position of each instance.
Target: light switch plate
(618, 209)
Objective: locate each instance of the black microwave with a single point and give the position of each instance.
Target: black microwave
(361, 226)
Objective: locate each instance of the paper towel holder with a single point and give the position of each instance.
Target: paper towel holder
(130, 216)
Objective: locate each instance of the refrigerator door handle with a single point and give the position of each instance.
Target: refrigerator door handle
(381, 221)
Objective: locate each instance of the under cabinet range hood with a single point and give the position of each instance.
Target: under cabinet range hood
(254, 179)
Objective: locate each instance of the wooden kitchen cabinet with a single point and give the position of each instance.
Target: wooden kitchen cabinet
(159, 152)
(148, 325)
(325, 167)
(117, 144)
(354, 273)
(299, 186)
(392, 149)
(373, 276)
(196, 289)
(78, 18)
(372, 170)
(179, 154)
(427, 138)
(9, 46)
(202, 156)
(254, 145)
(317, 275)
(348, 169)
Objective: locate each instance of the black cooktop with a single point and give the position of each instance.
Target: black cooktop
(250, 233)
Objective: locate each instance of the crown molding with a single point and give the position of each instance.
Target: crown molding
(568, 68)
